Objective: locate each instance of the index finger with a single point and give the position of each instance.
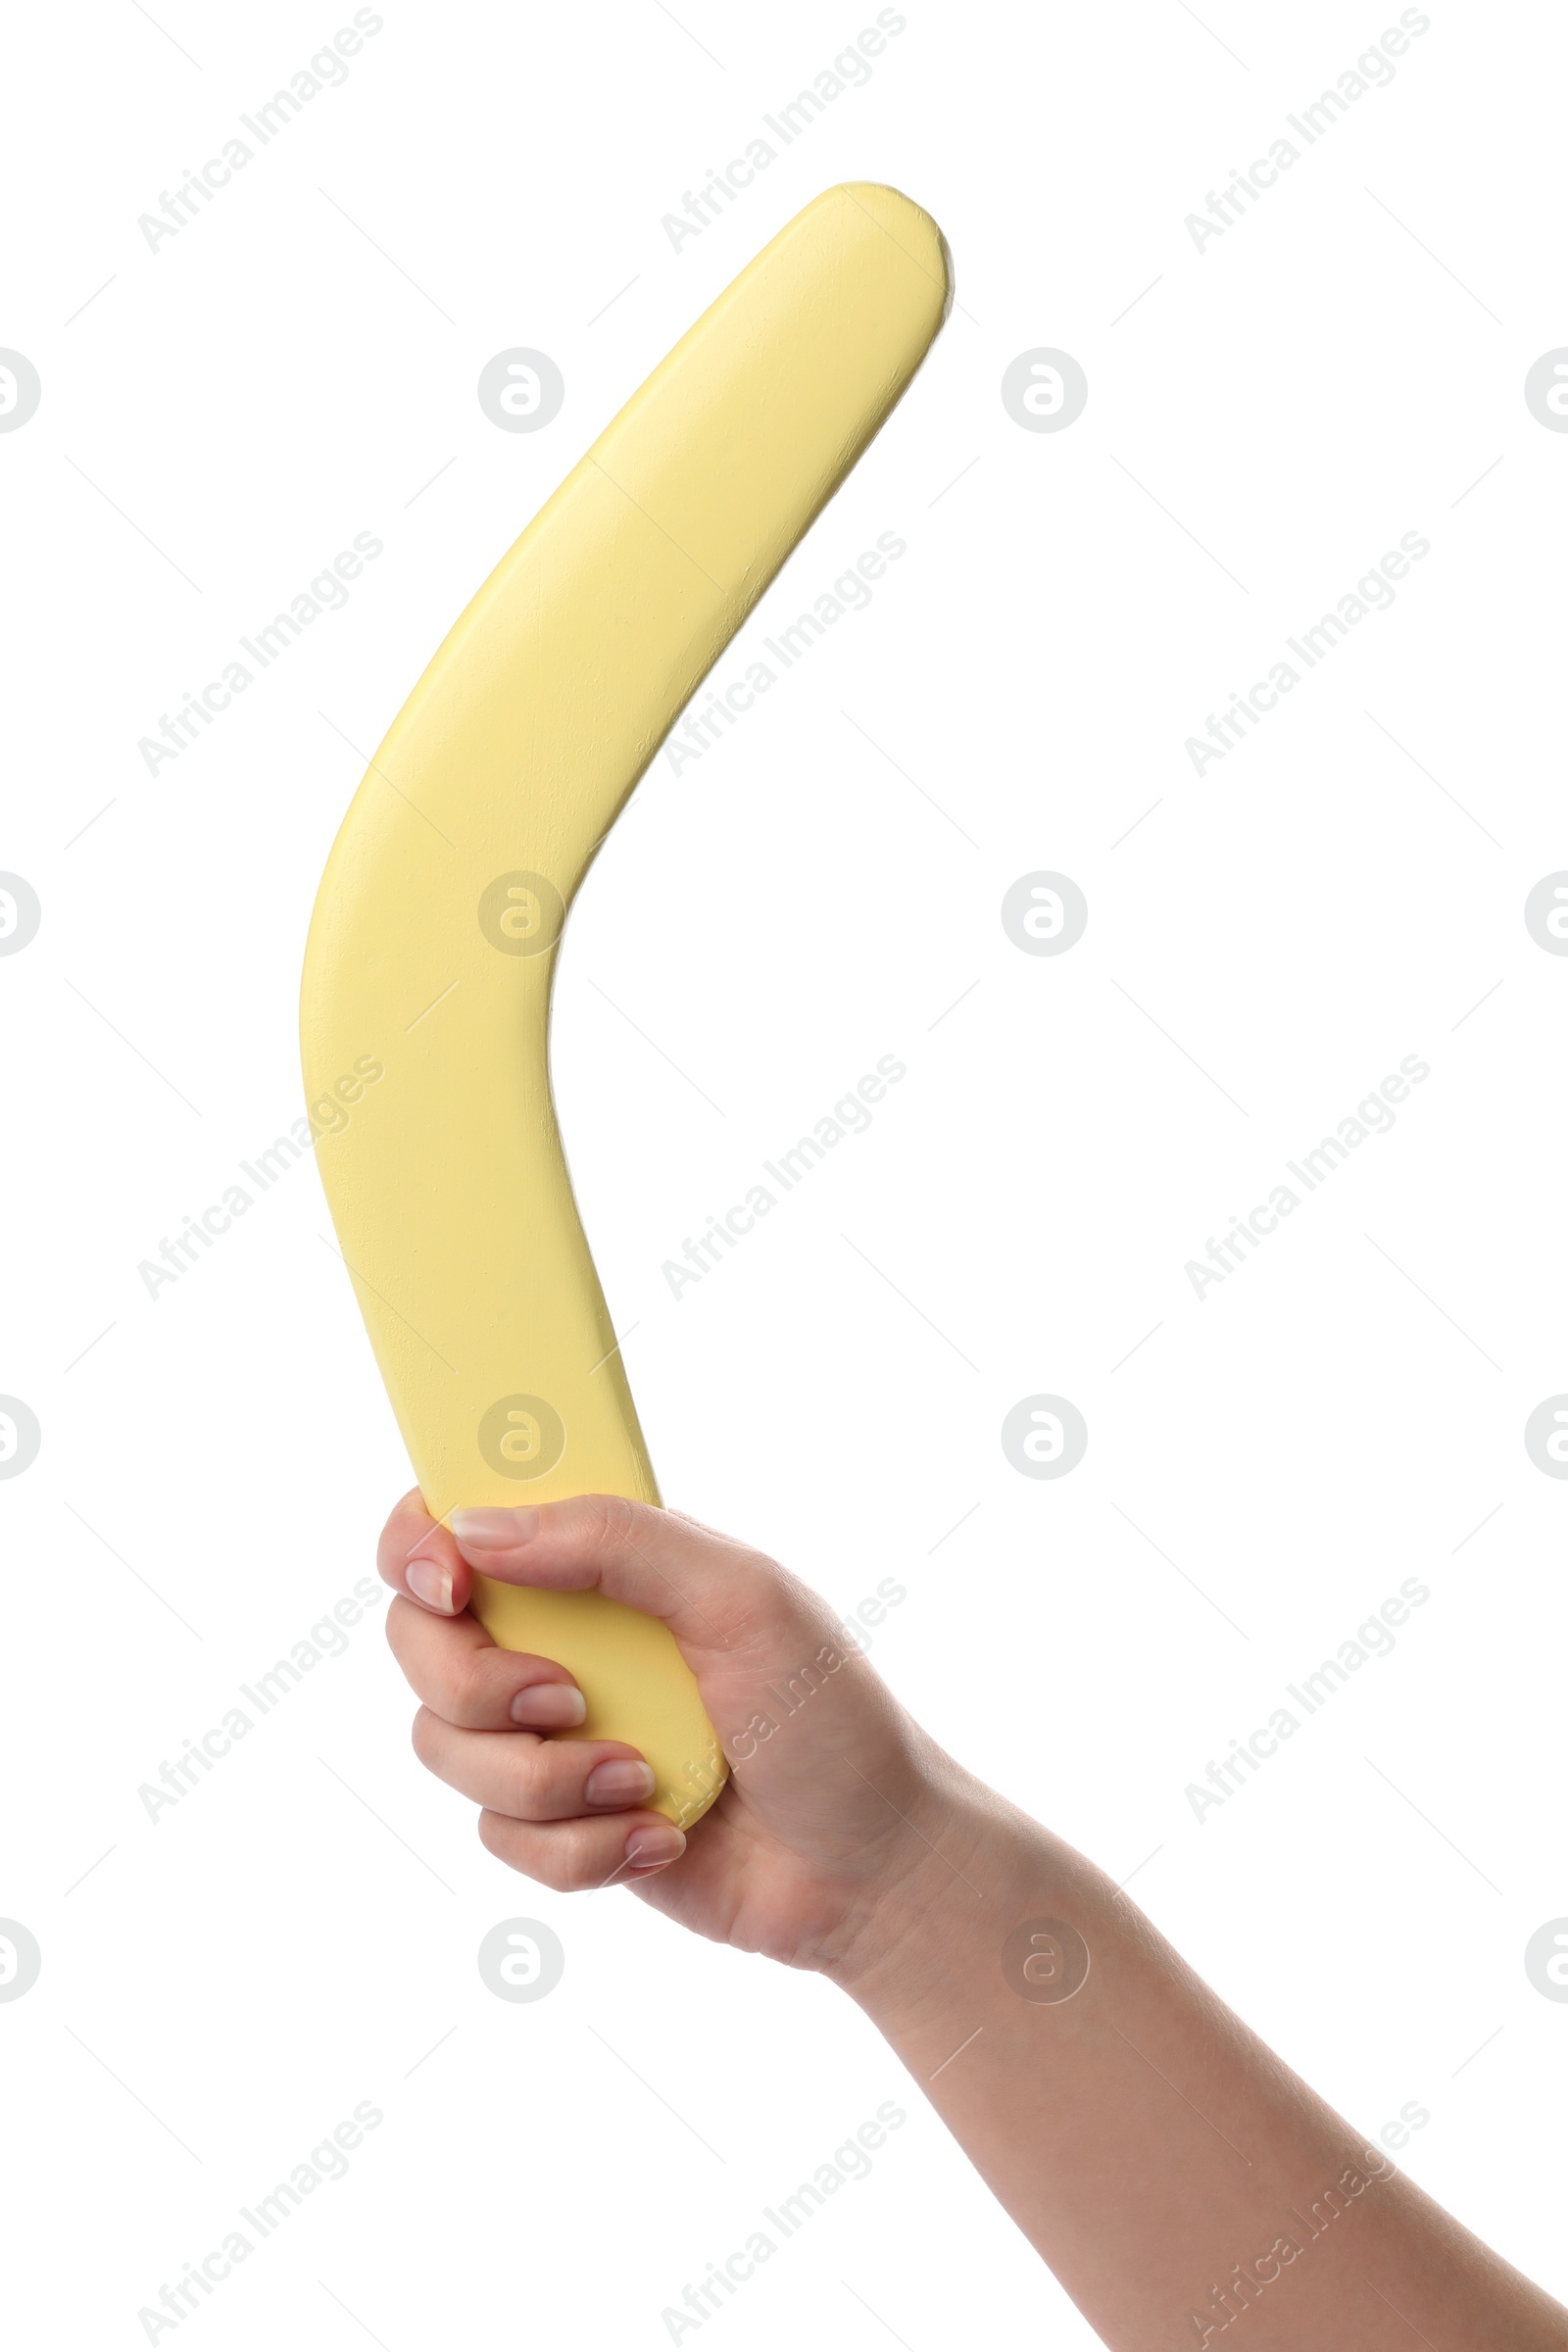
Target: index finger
(419, 1557)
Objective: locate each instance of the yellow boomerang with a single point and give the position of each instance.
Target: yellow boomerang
(432, 948)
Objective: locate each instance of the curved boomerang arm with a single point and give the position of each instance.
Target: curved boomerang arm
(432, 946)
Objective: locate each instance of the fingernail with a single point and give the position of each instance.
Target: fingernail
(548, 1707)
(623, 1780)
(650, 1848)
(429, 1583)
(495, 1530)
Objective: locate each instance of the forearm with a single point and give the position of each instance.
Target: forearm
(1173, 2173)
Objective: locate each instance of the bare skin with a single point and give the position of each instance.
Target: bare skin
(1177, 2177)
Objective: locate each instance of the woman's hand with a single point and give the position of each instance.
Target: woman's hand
(835, 1798)
(1176, 2177)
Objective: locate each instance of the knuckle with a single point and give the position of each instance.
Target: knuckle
(423, 1734)
(544, 1864)
(531, 1781)
(498, 1836)
(397, 1625)
(608, 1520)
(393, 1534)
(769, 1606)
(469, 1686)
(584, 1866)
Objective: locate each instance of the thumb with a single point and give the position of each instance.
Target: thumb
(716, 1595)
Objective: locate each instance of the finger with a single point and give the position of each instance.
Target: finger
(711, 1592)
(419, 1557)
(572, 1856)
(532, 1778)
(453, 1665)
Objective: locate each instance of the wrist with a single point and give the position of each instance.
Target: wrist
(970, 1867)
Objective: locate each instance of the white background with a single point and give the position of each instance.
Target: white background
(1341, 367)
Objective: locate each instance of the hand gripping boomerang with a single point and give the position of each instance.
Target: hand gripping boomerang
(449, 884)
